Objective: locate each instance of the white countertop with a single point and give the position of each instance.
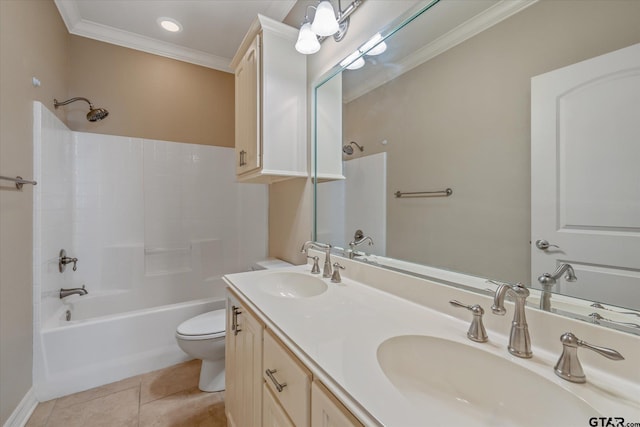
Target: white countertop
(337, 333)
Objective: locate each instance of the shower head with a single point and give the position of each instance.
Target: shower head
(348, 149)
(93, 115)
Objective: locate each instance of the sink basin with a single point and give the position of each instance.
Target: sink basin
(474, 387)
(287, 284)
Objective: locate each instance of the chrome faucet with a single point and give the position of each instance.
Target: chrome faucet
(63, 260)
(73, 291)
(519, 340)
(547, 280)
(326, 268)
(358, 239)
(569, 367)
(335, 277)
(476, 331)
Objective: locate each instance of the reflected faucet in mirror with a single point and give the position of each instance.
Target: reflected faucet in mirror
(547, 280)
(358, 239)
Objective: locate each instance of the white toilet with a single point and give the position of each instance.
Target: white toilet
(202, 337)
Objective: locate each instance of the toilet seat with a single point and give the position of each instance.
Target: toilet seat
(204, 326)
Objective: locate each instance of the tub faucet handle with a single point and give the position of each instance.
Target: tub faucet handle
(63, 260)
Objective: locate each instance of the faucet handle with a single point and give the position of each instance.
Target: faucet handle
(316, 268)
(569, 367)
(335, 277)
(476, 331)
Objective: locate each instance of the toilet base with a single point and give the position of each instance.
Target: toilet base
(212, 376)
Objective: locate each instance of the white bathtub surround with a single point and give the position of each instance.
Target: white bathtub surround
(154, 224)
(338, 334)
(359, 202)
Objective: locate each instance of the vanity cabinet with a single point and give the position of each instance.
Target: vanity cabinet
(270, 104)
(267, 385)
(243, 362)
(288, 380)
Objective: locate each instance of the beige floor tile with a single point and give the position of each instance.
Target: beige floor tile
(41, 414)
(190, 408)
(94, 393)
(119, 409)
(168, 381)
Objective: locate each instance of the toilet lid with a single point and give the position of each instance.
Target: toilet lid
(209, 323)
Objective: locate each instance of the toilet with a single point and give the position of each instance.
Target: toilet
(202, 337)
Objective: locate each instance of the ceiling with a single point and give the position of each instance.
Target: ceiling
(212, 29)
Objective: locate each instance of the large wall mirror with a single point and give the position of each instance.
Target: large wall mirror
(444, 109)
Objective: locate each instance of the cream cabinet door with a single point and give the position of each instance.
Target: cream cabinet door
(248, 111)
(327, 411)
(272, 414)
(243, 398)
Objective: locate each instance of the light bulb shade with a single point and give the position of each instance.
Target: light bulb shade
(325, 23)
(358, 63)
(380, 46)
(351, 62)
(307, 41)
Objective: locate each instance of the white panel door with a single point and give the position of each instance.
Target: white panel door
(585, 176)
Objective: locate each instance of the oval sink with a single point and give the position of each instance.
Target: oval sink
(287, 284)
(473, 387)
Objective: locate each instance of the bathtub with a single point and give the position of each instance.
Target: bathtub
(101, 344)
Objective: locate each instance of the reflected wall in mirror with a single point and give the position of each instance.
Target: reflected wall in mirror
(461, 119)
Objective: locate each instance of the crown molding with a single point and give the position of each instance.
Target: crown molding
(461, 33)
(93, 30)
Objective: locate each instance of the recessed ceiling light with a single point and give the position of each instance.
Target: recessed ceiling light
(170, 24)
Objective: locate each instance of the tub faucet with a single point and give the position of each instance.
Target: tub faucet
(519, 340)
(73, 291)
(326, 268)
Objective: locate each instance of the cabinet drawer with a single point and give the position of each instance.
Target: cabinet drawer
(288, 380)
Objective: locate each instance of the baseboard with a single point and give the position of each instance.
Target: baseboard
(23, 411)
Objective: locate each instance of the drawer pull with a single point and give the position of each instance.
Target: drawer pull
(234, 320)
(270, 373)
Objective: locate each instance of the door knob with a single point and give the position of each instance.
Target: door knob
(544, 245)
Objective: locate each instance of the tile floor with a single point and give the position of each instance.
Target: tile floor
(165, 398)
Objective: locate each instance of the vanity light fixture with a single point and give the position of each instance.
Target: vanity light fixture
(170, 24)
(325, 23)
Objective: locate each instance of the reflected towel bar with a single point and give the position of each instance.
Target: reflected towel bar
(443, 193)
(19, 181)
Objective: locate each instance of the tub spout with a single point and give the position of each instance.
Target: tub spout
(73, 291)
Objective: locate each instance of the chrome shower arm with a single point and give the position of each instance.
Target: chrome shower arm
(57, 104)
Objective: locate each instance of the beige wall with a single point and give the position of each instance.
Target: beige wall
(149, 96)
(465, 124)
(33, 42)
